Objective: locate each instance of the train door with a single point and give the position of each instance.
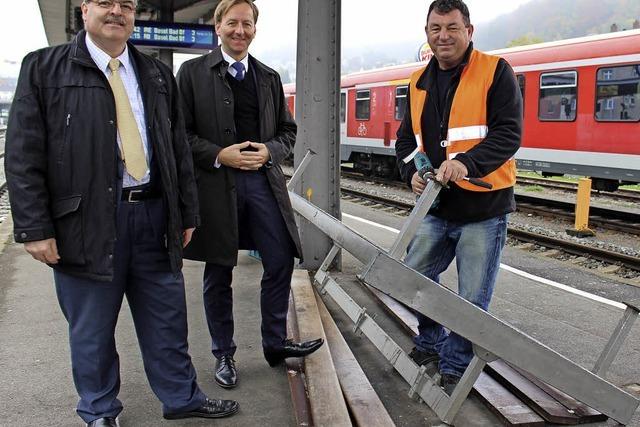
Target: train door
(343, 116)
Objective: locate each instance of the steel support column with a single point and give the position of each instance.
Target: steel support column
(317, 104)
(166, 15)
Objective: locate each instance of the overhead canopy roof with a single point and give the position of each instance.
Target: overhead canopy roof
(58, 15)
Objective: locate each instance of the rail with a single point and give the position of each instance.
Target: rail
(567, 246)
(627, 221)
(571, 187)
(622, 194)
(578, 249)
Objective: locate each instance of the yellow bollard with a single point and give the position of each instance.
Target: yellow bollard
(582, 210)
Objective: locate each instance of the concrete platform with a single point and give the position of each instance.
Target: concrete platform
(37, 387)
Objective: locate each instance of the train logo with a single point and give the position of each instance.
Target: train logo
(362, 129)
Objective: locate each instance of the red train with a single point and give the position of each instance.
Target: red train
(581, 109)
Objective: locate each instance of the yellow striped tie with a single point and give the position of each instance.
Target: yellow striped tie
(132, 151)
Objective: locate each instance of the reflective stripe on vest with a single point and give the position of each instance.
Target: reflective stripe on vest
(467, 126)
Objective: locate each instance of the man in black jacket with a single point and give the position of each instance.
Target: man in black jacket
(102, 189)
(465, 115)
(240, 130)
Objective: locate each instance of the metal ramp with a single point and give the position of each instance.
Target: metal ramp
(492, 338)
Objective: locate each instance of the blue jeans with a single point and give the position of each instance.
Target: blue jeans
(477, 247)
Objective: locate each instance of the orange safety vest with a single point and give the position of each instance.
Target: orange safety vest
(467, 119)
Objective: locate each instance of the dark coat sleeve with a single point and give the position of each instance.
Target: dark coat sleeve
(26, 158)
(187, 189)
(282, 143)
(504, 119)
(405, 145)
(204, 152)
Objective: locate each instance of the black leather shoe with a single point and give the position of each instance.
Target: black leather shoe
(226, 373)
(428, 359)
(291, 349)
(211, 408)
(104, 422)
(448, 383)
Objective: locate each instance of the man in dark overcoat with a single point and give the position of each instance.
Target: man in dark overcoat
(240, 130)
(102, 190)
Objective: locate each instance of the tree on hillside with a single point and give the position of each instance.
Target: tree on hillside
(284, 75)
(524, 40)
(556, 20)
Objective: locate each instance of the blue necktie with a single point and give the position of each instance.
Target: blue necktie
(239, 67)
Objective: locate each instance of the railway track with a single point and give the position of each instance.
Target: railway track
(626, 221)
(621, 194)
(629, 265)
(612, 219)
(378, 201)
(346, 172)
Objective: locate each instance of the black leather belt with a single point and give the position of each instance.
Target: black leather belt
(138, 194)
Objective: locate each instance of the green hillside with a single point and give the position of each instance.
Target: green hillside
(549, 20)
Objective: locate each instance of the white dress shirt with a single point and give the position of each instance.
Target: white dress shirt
(130, 81)
(230, 61)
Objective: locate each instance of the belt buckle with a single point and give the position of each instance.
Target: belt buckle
(131, 193)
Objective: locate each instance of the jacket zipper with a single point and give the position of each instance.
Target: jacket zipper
(65, 136)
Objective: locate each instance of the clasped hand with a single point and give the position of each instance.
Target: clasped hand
(245, 155)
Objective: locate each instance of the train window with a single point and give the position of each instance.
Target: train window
(558, 101)
(618, 94)
(343, 107)
(401, 101)
(363, 104)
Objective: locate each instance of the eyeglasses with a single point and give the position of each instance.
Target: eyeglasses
(127, 6)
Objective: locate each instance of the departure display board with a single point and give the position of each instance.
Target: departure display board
(174, 35)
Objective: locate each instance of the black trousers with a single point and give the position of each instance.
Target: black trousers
(156, 297)
(261, 227)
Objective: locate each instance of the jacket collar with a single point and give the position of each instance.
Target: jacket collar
(427, 78)
(145, 67)
(215, 59)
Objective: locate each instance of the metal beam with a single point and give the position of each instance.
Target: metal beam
(317, 104)
(480, 327)
(508, 343)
